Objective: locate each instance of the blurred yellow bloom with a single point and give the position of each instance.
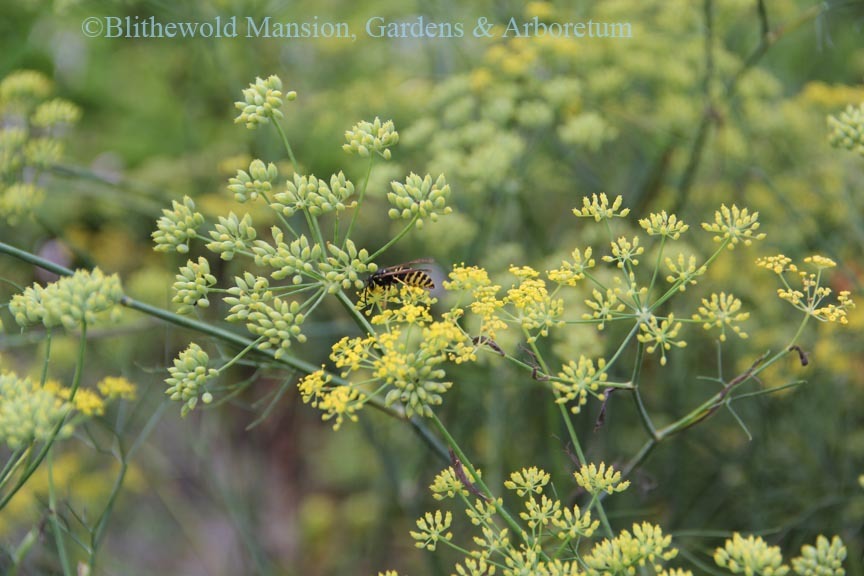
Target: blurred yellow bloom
(117, 387)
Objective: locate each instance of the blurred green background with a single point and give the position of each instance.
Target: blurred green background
(522, 128)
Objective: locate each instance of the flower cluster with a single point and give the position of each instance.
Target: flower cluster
(722, 311)
(571, 272)
(528, 480)
(411, 372)
(82, 298)
(847, 129)
(589, 130)
(336, 402)
(294, 259)
(645, 545)
(177, 226)
(604, 307)
(683, 271)
(342, 269)
(112, 387)
(419, 198)
(276, 323)
(21, 90)
(447, 484)
(544, 515)
(484, 297)
(810, 297)
(661, 334)
(399, 303)
(578, 379)
(192, 286)
(257, 181)
(597, 479)
(750, 555)
(824, 559)
(261, 102)
(29, 412)
(598, 208)
(19, 200)
(734, 225)
(232, 235)
(624, 252)
(534, 309)
(41, 153)
(432, 528)
(188, 378)
(30, 140)
(314, 195)
(246, 295)
(55, 112)
(663, 224)
(366, 137)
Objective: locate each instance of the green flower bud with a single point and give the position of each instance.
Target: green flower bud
(177, 226)
(189, 376)
(366, 137)
(70, 301)
(12, 142)
(261, 102)
(847, 130)
(19, 200)
(346, 268)
(54, 112)
(419, 197)
(22, 90)
(192, 286)
(247, 186)
(314, 195)
(43, 152)
(28, 411)
(287, 260)
(232, 235)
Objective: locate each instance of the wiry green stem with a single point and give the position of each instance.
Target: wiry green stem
(396, 238)
(287, 144)
(710, 406)
(574, 439)
(457, 450)
(360, 198)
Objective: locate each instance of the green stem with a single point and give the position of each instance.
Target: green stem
(640, 405)
(315, 230)
(451, 442)
(574, 439)
(356, 314)
(395, 239)
(709, 406)
(98, 531)
(287, 144)
(17, 556)
(241, 354)
(360, 198)
(16, 460)
(55, 522)
(47, 361)
(657, 265)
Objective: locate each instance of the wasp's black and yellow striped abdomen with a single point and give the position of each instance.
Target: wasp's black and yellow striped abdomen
(397, 276)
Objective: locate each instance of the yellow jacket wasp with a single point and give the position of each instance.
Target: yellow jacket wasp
(404, 274)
